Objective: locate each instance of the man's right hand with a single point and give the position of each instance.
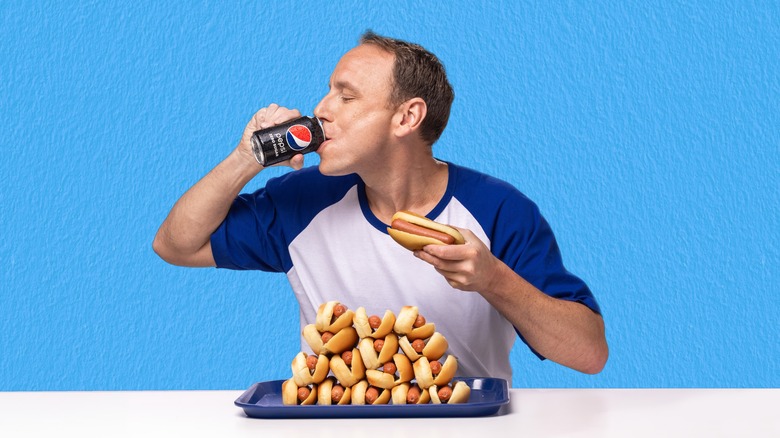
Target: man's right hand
(267, 117)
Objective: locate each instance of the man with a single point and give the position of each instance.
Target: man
(325, 227)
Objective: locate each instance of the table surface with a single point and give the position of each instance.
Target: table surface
(531, 412)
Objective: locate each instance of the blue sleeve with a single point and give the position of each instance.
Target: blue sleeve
(250, 237)
(260, 226)
(535, 256)
(527, 244)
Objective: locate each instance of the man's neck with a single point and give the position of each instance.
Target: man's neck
(418, 187)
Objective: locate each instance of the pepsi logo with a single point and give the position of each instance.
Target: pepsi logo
(298, 137)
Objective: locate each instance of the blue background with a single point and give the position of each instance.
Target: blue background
(647, 132)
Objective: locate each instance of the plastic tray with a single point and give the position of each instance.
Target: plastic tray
(264, 400)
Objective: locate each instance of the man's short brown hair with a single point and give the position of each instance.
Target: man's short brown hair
(418, 73)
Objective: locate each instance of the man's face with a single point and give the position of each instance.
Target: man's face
(356, 113)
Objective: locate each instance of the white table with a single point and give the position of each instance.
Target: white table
(531, 412)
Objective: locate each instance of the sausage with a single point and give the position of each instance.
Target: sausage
(414, 232)
(347, 356)
(418, 345)
(336, 393)
(389, 368)
(378, 344)
(444, 394)
(435, 367)
(339, 310)
(402, 225)
(374, 321)
(326, 337)
(303, 393)
(413, 395)
(371, 395)
(419, 321)
(311, 362)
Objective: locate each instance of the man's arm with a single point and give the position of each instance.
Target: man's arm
(566, 332)
(184, 238)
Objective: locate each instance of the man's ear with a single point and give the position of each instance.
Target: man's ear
(410, 116)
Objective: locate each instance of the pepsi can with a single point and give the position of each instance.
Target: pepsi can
(281, 142)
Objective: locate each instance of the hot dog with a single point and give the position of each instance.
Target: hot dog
(365, 394)
(409, 393)
(413, 231)
(333, 316)
(432, 348)
(387, 347)
(422, 332)
(308, 369)
(367, 326)
(328, 342)
(331, 392)
(412, 324)
(393, 373)
(430, 373)
(459, 392)
(293, 394)
(348, 367)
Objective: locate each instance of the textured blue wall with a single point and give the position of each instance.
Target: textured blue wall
(646, 131)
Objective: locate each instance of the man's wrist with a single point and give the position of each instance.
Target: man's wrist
(501, 278)
(246, 161)
(237, 169)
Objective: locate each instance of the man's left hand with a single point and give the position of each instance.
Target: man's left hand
(468, 267)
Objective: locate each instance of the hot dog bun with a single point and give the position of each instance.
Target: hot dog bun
(301, 373)
(290, 393)
(348, 375)
(405, 320)
(448, 370)
(400, 394)
(325, 392)
(422, 332)
(359, 394)
(404, 324)
(341, 341)
(380, 379)
(431, 232)
(422, 373)
(404, 373)
(434, 348)
(460, 393)
(371, 358)
(425, 376)
(404, 369)
(326, 322)
(364, 329)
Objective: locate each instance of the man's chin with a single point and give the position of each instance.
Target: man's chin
(331, 171)
(328, 170)
(337, 165)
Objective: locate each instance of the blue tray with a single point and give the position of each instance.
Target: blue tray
(264, 400)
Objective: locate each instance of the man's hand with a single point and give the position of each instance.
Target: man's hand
(468, 267)
(267, 117)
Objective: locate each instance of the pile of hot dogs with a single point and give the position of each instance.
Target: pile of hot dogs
(367, 360)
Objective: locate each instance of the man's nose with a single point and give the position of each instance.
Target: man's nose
(321, 110)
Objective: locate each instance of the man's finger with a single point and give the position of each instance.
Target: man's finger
(445, 252)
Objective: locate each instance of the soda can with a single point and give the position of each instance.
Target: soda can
(281, 142)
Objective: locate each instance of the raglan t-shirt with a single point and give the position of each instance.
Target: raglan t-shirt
(320, 231)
